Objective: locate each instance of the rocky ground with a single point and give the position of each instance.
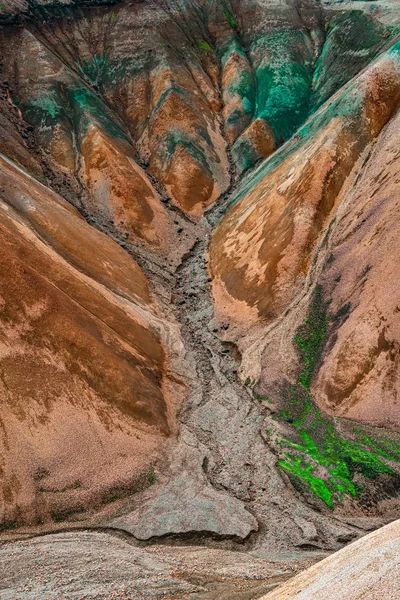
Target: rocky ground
(104, 565)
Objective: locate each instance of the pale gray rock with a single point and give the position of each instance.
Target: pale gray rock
(186, 504)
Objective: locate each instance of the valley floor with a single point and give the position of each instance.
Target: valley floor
(103, 565)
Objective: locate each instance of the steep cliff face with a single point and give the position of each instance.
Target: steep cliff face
(198, 295)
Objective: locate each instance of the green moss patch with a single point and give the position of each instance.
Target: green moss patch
(311, 337)
(228, 14)
(205, 46)
(319, 455)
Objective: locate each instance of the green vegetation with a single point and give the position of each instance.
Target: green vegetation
(8, 526)
(228, 15)
(311, 337)
(321, 458)
(152, 478)
(252, 384)
(295, 466)
(205, 46)
(341, 459)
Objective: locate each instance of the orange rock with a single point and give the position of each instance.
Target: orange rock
(186, 175)
(185, 145)
(232, 73)
(119, 191)
(359, 377)
(261, 251)
(84, 385)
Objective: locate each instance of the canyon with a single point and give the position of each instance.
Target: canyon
(199, 298)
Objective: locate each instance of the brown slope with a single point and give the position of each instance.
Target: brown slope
(359, 377)
(83, 365)
(261, 251)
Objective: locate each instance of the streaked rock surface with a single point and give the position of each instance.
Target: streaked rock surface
(368, 569)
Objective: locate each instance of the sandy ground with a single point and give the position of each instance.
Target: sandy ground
(91, 565)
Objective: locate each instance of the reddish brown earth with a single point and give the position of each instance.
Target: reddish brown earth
(262, 254)
(85, 370)
(199, 300)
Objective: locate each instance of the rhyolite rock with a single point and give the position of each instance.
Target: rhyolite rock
(366, 570)
(84, 360)
(242, 380)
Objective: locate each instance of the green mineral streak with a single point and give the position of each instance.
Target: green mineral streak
(87, 108)
(230, 46)
(93, 68)
(283, 80)
(354, 38)
(242, 87)
(176, 138)
(347, 104)
(244, 154)
(46, 111)
(319, 444)
(290, 86)
(173, 89)
(47, 105)
(116, 71)
(283, 98)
